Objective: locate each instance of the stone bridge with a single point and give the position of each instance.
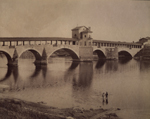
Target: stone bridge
(43, 50)
(80, 47)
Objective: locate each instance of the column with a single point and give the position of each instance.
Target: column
(3, 43)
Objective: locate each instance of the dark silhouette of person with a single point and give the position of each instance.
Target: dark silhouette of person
(106, 101)
(103, 95)
(106, 95)
(103, 98)
(103, 101)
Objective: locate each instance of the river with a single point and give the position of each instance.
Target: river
(63, 83)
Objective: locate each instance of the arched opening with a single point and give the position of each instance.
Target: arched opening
(5, 58)
(30, 54)
(64, 52)
(124, 56)
(98, 54)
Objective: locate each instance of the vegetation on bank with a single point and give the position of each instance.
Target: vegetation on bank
(18, 109)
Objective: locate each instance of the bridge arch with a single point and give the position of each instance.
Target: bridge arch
(100, 53)
(71, 52)
(35, 52)
(124, 54)
(8, 56)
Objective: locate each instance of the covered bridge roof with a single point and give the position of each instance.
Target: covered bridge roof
(36, 39)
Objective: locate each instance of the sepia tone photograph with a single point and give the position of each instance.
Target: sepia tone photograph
(74, 59)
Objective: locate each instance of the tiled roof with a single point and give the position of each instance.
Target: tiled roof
(78, 27)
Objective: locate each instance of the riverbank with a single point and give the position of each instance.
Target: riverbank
(11, 108)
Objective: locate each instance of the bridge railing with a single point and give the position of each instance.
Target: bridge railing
(55, 42)
(46, 42)
(125, 45)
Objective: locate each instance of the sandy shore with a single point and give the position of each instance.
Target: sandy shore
(11, 108)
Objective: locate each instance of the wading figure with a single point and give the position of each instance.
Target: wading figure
(106, 95)
(103, 98)
(103, 95)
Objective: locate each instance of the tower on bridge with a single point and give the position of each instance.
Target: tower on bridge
(83, 36)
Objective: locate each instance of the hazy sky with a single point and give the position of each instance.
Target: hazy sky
(114, 20)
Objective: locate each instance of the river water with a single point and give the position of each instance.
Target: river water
(63, 83)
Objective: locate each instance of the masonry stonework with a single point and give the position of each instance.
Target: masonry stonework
(86, 53)
(111, 53)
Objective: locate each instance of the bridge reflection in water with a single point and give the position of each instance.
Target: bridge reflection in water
(11, 71)
(81, 73)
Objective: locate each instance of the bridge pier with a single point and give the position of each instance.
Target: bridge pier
(14, 60)
(111, 53)
(37, 62)
(40, 62)
(43, 60)
(85, 54)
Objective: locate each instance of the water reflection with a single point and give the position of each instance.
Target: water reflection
(85, 76)
(44, 71)
(70, 72)
(111, 65)
(144, 65)
(124, 60)
(106, 101)
(73, 65)
(36, 71)
(79, 84)
(100, 64)
(11, 71)
(15, 73)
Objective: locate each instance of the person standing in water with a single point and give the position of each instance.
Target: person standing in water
(103, 95)
(106, 95)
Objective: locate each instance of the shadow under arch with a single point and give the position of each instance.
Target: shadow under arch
(100, 54)
(69, 51)
(9, 59)
(100, 63)
(34, 52)
(124, 54)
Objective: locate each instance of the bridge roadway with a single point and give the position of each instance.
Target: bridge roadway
(44, 47)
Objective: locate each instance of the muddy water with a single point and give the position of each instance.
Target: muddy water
(63, 83)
